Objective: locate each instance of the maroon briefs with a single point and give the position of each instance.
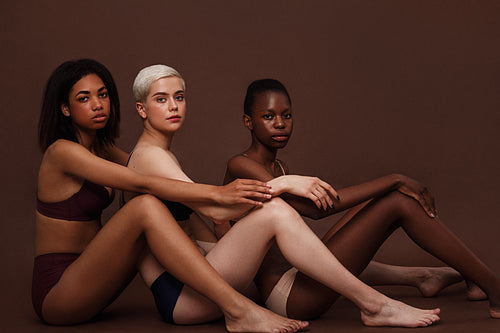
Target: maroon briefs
(47, 271)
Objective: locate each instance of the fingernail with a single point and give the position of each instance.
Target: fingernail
(338, 197)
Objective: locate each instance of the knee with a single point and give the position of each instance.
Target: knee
(399, 202)
(278, 211)
(146, 207)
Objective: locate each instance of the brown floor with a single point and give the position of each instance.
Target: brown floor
(134, 312)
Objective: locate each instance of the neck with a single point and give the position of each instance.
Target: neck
(262, 154)
(87, 139)
(156, 138)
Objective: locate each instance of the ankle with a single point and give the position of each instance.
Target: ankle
(373, 304)
(237, 309)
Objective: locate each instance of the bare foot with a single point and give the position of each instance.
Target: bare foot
(395, 313)
(432, 280)
(474, 293)
(258, 319)
(495, 313)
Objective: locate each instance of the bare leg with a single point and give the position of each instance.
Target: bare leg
(429, 280)
(474, 293)
(238, 254)
(109, 262)
(357, 241)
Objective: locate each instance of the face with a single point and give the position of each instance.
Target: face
(271, 119)
(165, 106)
(89, 104)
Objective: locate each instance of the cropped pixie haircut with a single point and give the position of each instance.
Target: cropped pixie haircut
(150, 74)
(258, 87)
(53, 125)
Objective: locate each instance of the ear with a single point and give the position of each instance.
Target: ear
(247, 121)
(65, 110)
(141, 109)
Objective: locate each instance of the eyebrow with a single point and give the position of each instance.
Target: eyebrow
(164, 93)
(88, 92)
(275, 111)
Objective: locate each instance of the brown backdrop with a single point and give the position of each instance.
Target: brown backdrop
(377, 87)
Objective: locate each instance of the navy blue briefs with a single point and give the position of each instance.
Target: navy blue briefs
(166, 290)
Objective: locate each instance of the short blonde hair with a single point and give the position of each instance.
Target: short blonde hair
(150, 74)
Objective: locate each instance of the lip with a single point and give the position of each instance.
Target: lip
(174, 118)
(100, 117)
(280, 137)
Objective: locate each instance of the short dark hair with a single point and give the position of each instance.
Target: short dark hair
(258, 87)
(53, 125)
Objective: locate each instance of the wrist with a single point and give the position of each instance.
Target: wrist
(214, 195)
(397, 180)
(278, 185)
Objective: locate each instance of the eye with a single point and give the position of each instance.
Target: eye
(161, 99)
(104, 94)
(179, 98)
(267, 116)
(83, 99)
(287, 116)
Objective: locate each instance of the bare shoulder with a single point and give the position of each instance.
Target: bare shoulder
(64, 153)
(243, 167)
(146, 154)
(236, 161)
(154, 160)
(284, 166)
(62, 147)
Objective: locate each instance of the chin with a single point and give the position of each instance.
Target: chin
(279, 145)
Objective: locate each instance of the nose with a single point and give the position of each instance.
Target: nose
(96, 104)
(172, 105)
(278, 122)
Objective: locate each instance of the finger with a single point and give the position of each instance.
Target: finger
(329, 201)
(320, 194)
(256, 188)
(421, 200)
(256, 195)
(330, 189)
(326, 196)
(253, 182)
(429, 202)
(314, 199)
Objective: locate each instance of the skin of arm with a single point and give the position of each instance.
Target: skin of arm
(351, 196)
(115, 154)
(73, 160)
(153, 160)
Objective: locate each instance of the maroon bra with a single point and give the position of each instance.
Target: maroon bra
(85, 205)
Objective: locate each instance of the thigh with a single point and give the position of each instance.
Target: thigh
(236, 257)
(101, 272)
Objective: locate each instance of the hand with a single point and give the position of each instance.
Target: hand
(417, 191)
(243, 191)
(320, 192)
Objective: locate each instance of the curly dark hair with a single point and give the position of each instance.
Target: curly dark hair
(53, 125)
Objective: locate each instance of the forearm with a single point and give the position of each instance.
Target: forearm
(356, 194)
(179, 191)
(220, 214)
(349, 197)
